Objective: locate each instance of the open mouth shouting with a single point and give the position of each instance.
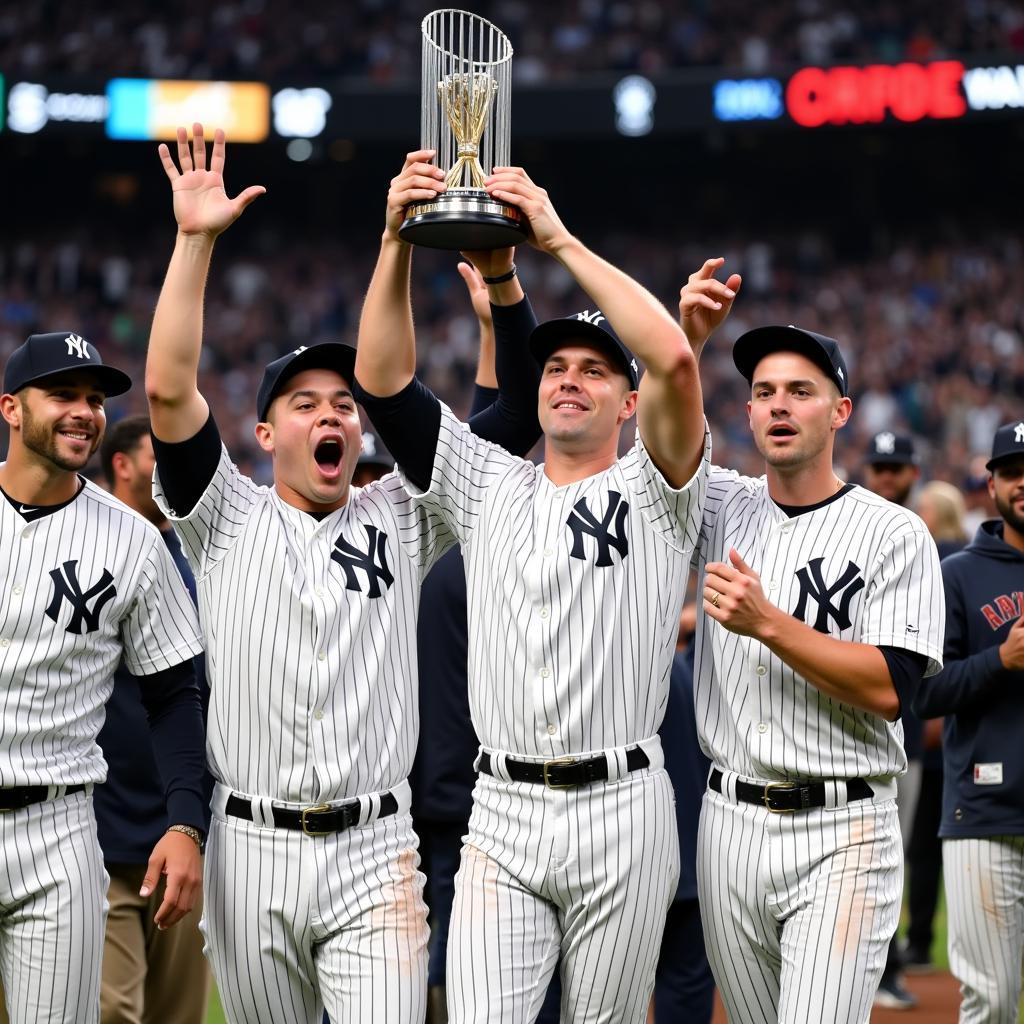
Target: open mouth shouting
(328, 454)
(781, 432)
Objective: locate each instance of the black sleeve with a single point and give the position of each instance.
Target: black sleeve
(511, 421)
(408, 423)
(907, 669)
(483, 398)
(187, 467)
(174, 709)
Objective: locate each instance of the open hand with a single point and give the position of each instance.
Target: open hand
(478, 294)
(705, 302)
(201, 206)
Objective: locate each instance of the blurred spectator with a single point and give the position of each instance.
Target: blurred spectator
(921, 324)
(561, 38)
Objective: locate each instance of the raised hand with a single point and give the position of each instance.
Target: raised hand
(478, 294)
(705, 302)
(545, 230)
(201, 206)
(418, 179)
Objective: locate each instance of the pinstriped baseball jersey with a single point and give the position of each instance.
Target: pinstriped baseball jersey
(309, 627)
(574, 591)
(857, 568)
(79, 588)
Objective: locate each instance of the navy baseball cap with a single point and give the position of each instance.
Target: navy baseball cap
(43, 355)
(752, 347)
(374, 453)
(889, 449)
(591, 328)
(1008, 443)
(329, 355)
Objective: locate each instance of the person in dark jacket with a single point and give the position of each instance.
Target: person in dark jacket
(981, 692)
(684, 987)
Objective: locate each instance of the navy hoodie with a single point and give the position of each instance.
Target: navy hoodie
(983, 790)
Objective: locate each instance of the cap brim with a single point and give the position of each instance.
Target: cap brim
(890, 460)
(1000, 459)
(552, 335)
(112, 381)
(750, 348)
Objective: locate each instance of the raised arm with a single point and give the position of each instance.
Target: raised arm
(386, 350)
(705, 302)
(202, 210)
(670, 410)
(504, 407)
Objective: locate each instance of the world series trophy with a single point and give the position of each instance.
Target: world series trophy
(467, 78)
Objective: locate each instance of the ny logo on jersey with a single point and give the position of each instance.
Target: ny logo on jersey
(84, 619)
(812, 584)
(76, 346)
(582, 521)
(373, 561)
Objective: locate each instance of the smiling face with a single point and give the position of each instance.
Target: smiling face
(59, 420)
(584, 398)
(794, 410)
(314, 435)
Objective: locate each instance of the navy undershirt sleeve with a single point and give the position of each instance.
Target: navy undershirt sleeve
(511, 420)
(408, 423)
(907, 669)
(187, 467)
(174, 709)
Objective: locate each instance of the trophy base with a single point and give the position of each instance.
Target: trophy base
(462, 218)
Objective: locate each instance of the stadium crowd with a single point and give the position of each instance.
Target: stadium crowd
(934, 334)
(380, 39)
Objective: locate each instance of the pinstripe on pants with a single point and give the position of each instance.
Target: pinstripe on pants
(798, 909)
(589, 872)
(292, 920)
(985, 901)
(52, 907)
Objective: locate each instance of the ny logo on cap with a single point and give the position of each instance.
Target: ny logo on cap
(299, 350)
(885, 443)
(596, 318)
(1018, 433)
(633, 366)
(369, 443)
(76, 346)
(839, 371)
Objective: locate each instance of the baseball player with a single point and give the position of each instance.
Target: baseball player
(307, 594)
(148, 974)
(575, 576)
(822, 610)
(981, 693)
(86, 583)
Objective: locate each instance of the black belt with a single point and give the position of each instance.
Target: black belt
(785, 797)
(321, 820)
(21, 796)
(565, 772)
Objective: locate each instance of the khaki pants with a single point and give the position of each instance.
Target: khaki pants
(150, 976)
